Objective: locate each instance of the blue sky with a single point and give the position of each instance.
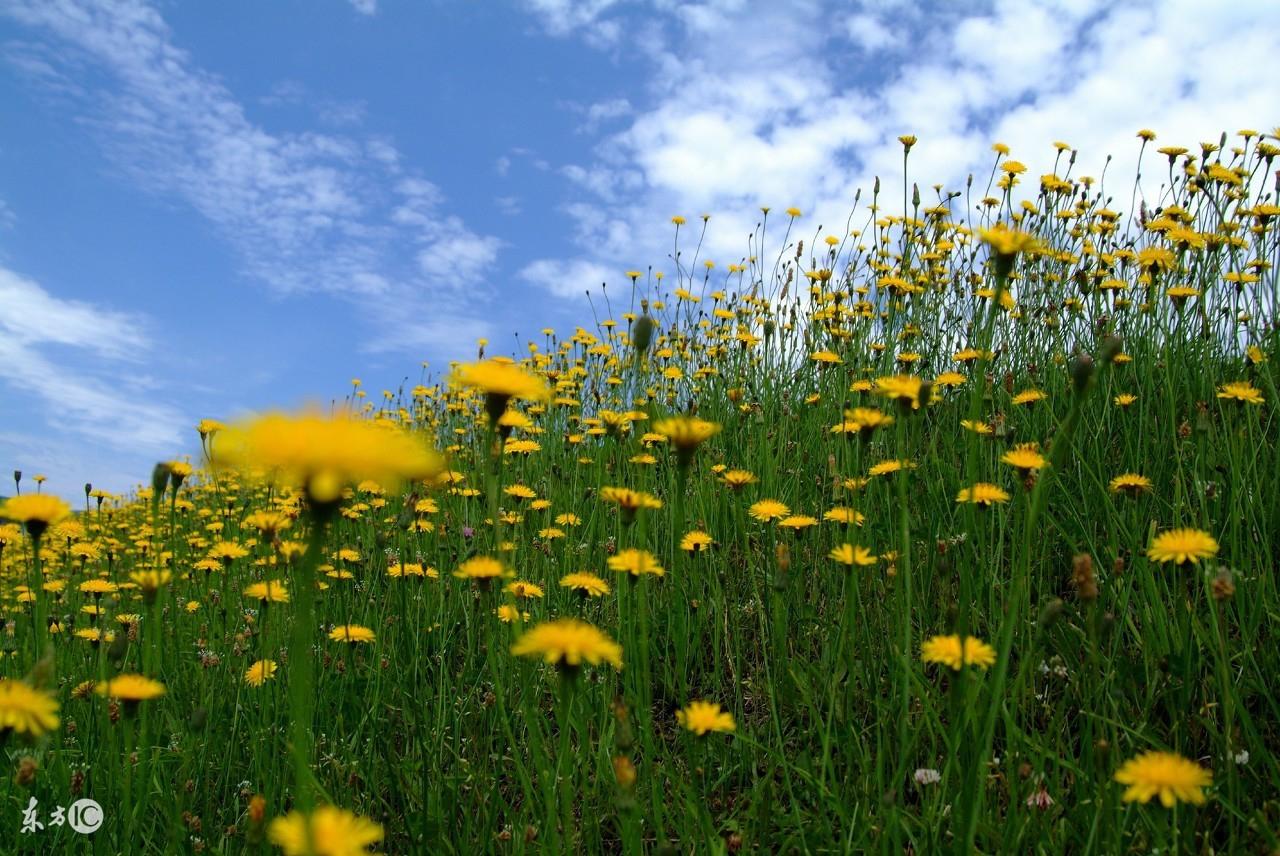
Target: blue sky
(212, 208)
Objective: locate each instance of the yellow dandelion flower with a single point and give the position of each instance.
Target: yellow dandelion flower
(768, 509)
(947, 651)
(322, 455)
(1181, 546)
(352, 633)
(982, 493)
(850, 554)
(702, 717)
(585, 584)
(260, 672)
(26, 710)
(569, 643)
(1240, 391)
(636, 563)
(328, 831)
(1166, 775)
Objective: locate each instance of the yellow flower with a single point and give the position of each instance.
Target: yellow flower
(331, 831)
(208, 427)
(508, 614)
(570, 643)
(982, 493)
(483, 568)
(26, 710)
(768, 509)
(701, 717)
(797, 522)
(891, 466)
(1164, 774)
(131, 688)
(353, 633)
(738, 479)
(849, 554)
(179, 470)
(630, 501)
(906, 389)
(1008, 242)
(1181, 546)
(843, 514)
(1130, 483)
(260, 672)
(519, 491)
(268, 522)
(1030, 396)
(520, 588)
(227, 551)
(324, 455)
(36, 511)
(98, 587)
(588, 585)
(151, 581)
(686, 432)
(947, 651)
(636, 563)
(696, 542)
(268, 591)
(1023, 459)
(1241, 391)
(501, 381)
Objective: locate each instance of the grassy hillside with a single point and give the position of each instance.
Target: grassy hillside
(1047, 425)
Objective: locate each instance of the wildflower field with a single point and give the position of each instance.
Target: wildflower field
(950, 530)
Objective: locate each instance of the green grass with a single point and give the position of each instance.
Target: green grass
(455, 746)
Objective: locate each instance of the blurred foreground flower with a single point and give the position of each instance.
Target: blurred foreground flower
(1164, 774)
(568, 643)
(947, 651)
(35, 511)
(701, 717)
(323, 455)
(329, 831)
(26, 710)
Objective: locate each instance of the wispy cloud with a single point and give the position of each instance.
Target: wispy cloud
(306, 211)
(104, 396)
(585, 18)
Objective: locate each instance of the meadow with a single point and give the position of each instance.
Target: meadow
(951, 530)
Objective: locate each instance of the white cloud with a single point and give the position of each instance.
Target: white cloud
(454, 252)
(872, 34)
(365, 7)
(105, 399)
(580, 17)
(69, 464)
(596, 114)
(761, 103)
(568, 278)
(32, 316)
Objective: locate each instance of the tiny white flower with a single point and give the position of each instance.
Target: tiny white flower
(927, 776)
